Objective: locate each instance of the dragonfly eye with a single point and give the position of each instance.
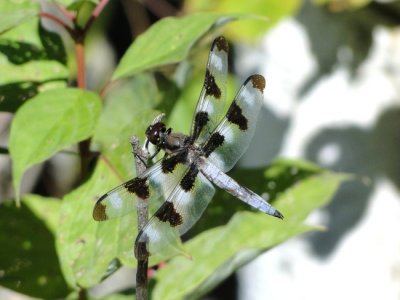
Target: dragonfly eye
(154, 131)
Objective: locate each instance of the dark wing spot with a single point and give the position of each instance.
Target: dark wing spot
(139, 187)
(236, 116)
(99, 211)
(221, 44)
(167, 213)
(188, 180)
(213, 143)
(168, 164)
(258, 82)
(200, 120)
(211, 86)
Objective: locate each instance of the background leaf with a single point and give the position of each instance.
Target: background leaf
(14, 94)
(127, 111)
(13, 13)
(52, 44)
(162, 45)
(28, 259)
(269, 182)
(27, 55)
(250, 28)
(87, 247)
(48, 123)
(243, 238)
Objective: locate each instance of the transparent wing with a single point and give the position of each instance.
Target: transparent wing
(232, 136)
(178, 214)
(210, 106)
(155, 184)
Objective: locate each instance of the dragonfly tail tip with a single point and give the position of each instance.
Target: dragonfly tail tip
(278, 215)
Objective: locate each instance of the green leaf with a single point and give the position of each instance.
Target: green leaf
(128, 111)
(84, 12)
(53, 45)
(25, 58)
(87, 247)
(161, 45)
(14, 94)
(28, 259)
(48, 123)
(218, 252)
(9, 20)
(119, 297)
(270, 182)
(19, 53)
(270, 11)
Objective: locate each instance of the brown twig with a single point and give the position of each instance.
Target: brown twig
(142, 219)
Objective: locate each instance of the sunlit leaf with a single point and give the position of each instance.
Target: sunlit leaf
(161, 45)
(269, 11)
(218, 252)
(27, 56)
(127, 112)
(269, 182)
(48, 123)
(87, 247)
(9, 20)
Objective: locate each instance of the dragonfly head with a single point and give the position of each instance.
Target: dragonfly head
(156, 133)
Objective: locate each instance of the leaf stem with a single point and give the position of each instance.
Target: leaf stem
(58, 21)
(84, 146)
(80, 63)
(79, 35)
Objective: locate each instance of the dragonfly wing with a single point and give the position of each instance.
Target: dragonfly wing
(178, 214)
(211, 103)
(155, 184)
(232, 136)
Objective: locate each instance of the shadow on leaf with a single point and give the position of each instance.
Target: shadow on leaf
(28, 257)
(13, 95)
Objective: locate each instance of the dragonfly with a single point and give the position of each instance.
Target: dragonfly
(179, 186)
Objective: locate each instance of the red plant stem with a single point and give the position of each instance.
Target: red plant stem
(105, 88)
(96, 12)
(84, 146)
(57, 20)
(80, 63)
(69, 15)
(99, 8)
(142, 218)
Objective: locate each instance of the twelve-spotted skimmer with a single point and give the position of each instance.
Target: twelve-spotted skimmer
(180, 185)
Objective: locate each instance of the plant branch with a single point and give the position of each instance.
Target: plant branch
(58, 21)
(95, 14)
(105, 88)
(143, 217)
(80, 63)
(84, 146)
